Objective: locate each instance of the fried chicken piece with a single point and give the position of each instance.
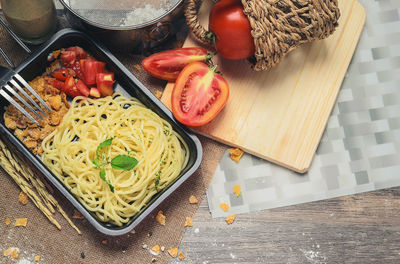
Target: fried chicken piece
(55, 118)
(30, 143)
(34, 133)
(55, 102)
(21, 134)
(10, 122)
(44, 132)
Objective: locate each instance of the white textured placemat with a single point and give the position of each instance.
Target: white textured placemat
(360, 149)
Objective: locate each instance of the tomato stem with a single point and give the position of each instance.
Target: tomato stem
(211, 37)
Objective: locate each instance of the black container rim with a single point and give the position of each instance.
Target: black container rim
(60, 187)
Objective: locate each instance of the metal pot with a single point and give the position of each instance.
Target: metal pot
(133, 39)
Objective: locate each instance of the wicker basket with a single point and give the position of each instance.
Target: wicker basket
(278, 26)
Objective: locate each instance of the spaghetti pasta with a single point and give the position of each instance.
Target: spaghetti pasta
(135, 131)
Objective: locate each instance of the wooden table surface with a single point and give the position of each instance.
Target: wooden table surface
(362, 228)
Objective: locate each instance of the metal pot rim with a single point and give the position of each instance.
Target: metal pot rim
(121, 28)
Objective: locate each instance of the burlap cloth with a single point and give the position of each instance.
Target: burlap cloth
(42, 238)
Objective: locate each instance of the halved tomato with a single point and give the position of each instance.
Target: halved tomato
(167, 64)
(199, 94)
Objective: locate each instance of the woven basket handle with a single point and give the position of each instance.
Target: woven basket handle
(193, 23)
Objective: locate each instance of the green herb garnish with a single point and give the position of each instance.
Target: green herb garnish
(120, 162)
(157, 179)
(123, 162)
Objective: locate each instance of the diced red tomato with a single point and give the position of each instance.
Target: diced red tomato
(90, 69)
(60, 74)
(83, 89)
(105, 83)
(54, 82)
(78, 70)
(70, 88)
(68, 57)
(80, 53)
(94, 92)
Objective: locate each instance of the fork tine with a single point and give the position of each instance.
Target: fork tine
(21, 99)
(20, 108)
(16, 85)
(24, 83)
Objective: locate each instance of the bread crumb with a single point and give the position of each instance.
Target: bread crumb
(188, 221)
(23, 198)
(11, 252)
(158, 94)
(8, 252)
(161, 218)
(14, 253)
(133, 231)
(37, 258)
(153, 260)
(180, 255)
(193, 199)
(173, 252)
(77, 215)
(144, 246)
(236, 154)
(156, 249)
(162, 248)
(224, 207)
(138, 67)
(56, 53)
(8, 221)
(229, 220)
(21, 222)
(237, 190)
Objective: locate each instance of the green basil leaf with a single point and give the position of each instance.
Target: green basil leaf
(103, 177)
(104, 144)
(111, 186)
(123, 162)
(96, 163)
(103, 174)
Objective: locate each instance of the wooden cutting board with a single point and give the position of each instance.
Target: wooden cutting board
(280, 115)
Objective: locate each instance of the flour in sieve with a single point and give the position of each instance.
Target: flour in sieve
(144, 14)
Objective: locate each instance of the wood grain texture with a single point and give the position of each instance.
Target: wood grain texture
(361, 228)
(280, 115)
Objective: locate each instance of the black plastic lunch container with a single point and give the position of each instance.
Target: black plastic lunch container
(127, 84)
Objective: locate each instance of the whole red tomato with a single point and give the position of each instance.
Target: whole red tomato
(232, 30)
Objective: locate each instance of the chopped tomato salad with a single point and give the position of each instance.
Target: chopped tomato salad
(79, 74)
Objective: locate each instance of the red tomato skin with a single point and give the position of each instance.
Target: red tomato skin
(69, 87)
(232, 29)
(166, 65)
(60, 74)
(105, 83)
(90, 69)
(79, 52)
(193, 104)
(54, 82)
(82, 88)
(68, 57)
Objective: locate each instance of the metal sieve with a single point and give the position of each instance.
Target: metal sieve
(124, 25)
